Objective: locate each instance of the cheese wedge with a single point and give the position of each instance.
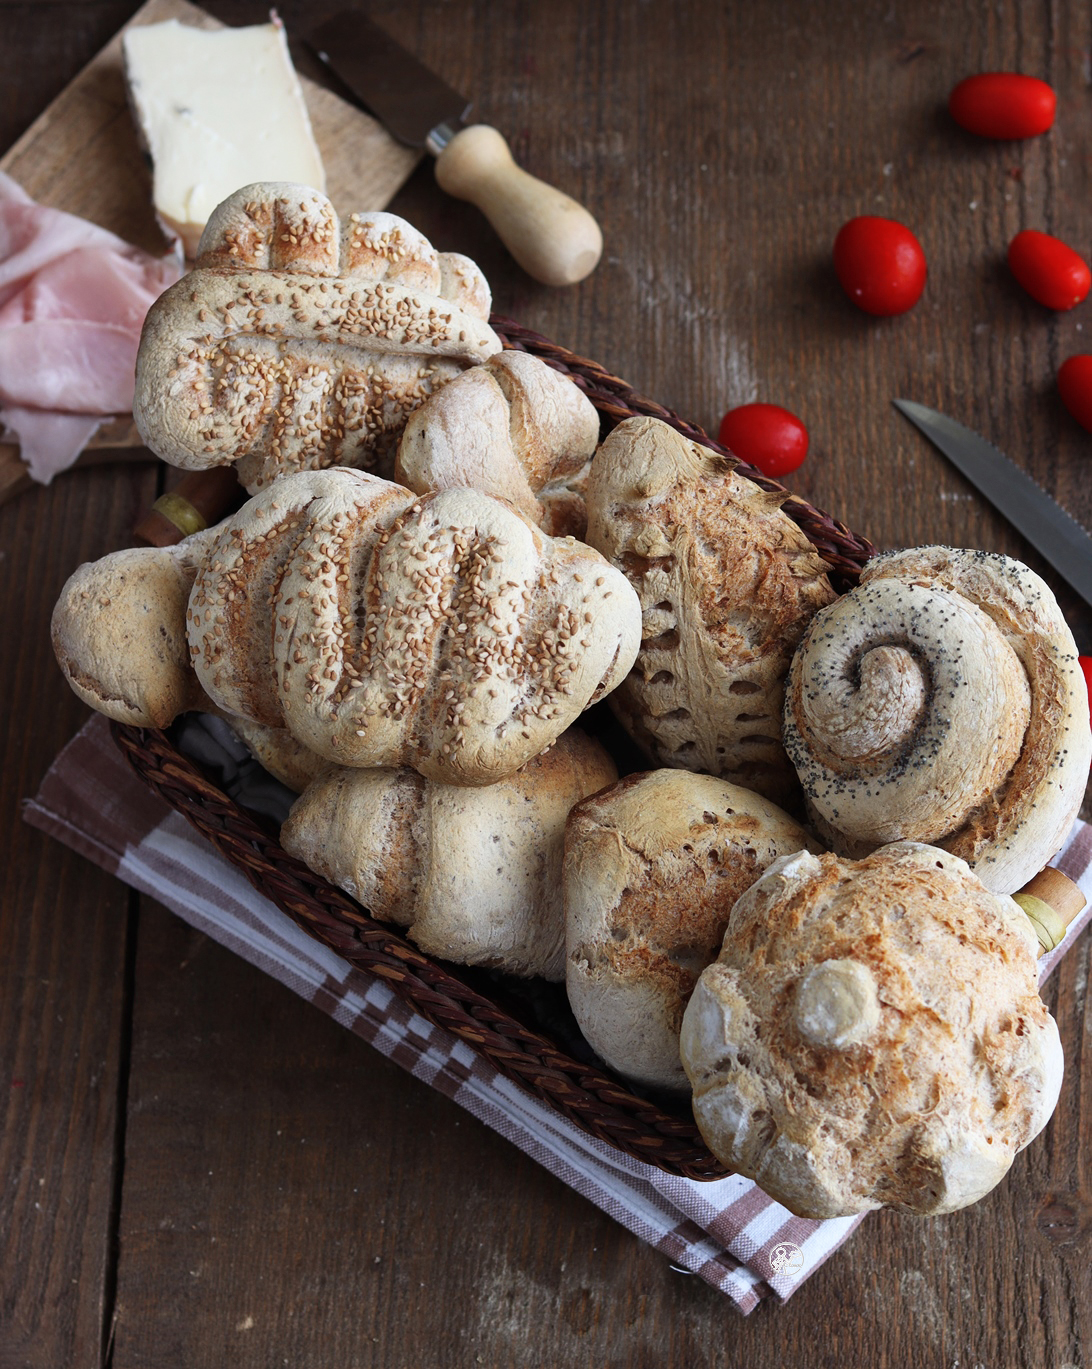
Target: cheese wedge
(218, 109)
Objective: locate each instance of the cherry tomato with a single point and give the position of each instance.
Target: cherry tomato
(1075, 387)
(1085, 663)
(880, 265)
(1003, 104)
(765, 435)
(1048, 270)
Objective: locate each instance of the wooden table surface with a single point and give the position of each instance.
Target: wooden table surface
(197, 1168)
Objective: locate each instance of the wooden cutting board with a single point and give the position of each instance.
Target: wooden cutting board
(82, 155)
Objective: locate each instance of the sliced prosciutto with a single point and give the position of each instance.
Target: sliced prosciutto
(72, 301)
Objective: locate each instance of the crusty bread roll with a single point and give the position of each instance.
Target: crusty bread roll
(942, 701)
(474, 875)
(514, 428)
(300, 341)
(445, 633)
(119, 632)
(653, 866)
(872, 1035)
(277, 751)
(727, 584)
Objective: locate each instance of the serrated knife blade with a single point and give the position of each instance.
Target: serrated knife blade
(1053, 532)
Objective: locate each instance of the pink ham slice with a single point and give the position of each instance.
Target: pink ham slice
(72, 301)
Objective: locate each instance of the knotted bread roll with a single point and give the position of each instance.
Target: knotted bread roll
(445, 633)
(653, 866)
(727, 584)
(941, 701)
(473, 874)
(872, 1035)
(300, 341)
(514, 428)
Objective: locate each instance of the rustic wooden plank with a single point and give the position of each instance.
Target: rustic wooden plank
(65, 928)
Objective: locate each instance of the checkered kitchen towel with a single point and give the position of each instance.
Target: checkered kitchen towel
(728, 1231)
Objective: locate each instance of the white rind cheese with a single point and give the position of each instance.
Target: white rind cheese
(218, 109)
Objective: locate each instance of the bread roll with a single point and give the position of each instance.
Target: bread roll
(942, 701)
(727, 584)
(653, 866)
(514, 428)
(474, 875)
(300, 341)
(872, 1035)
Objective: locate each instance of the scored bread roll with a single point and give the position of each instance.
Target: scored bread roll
(514, 428)
(653, 866)
(301, 340)
(942, 701)
(474, 875)
(727, 584)
(872, 1035)
(445, 633)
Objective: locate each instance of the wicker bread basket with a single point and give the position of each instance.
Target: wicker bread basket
(661, 1134)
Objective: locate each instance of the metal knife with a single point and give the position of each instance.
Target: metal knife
(552, 237)
(1055, 534)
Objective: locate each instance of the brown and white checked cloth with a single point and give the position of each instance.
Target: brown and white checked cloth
(728, 1231)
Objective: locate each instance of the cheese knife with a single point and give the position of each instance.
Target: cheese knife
(552, 237)
(1055, 534)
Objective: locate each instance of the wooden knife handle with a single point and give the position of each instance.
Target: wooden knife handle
(552, 237)
(200, 499)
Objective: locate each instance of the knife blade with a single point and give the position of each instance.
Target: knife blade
(552, 237)
(1053, 532)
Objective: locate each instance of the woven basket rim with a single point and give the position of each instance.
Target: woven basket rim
(599, 1103)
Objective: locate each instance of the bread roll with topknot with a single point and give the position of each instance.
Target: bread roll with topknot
(514, 428)
(653, 866)
(872, 1035)
(727, 584)
(474, 875)
(942, 701)
(301, 341)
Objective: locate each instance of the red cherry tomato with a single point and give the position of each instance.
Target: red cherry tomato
(1003, 104)
(765, 435)
(880, 265)
(1085, 663)
(1048, 270)
(1075, 387)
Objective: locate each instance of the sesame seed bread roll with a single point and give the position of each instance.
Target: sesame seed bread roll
(727, 584)
(653, 866)
(473, 874)
(300, 342)
(514, 428)
(443, 632)
(942, 701)
(871, 1035)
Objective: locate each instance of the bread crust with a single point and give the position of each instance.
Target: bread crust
(872, 1035)
(727, 584)
(443, 632)
(942, 701)
(300, 341)
(474, 875)
(653, 866)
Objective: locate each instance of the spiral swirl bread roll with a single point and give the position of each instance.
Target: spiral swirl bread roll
(653, 866)
(300, 341)
(872, 1035)
(514, 428)
(473, 874)
(445, 633)
(727, 584)
(942, 701)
